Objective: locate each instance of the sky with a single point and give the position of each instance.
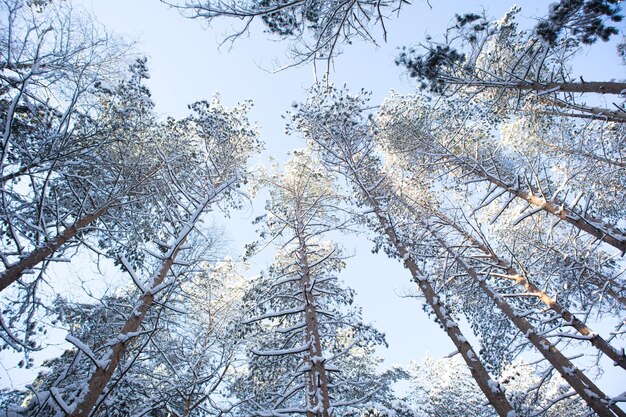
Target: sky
(187, 64)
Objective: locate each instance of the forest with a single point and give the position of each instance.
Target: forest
(498, 184)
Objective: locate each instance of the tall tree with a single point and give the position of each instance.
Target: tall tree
(464, 148)
(314, 29)
(305, 338)
(180, 368)
(207, 154)
(94, 198)
(60, 169)
(443, 387)
(341, 121)
(335, 125)
(505, 66)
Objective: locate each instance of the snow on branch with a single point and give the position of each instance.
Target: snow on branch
(83, 348)
(281, 352)
(133, 275)
(292, 328)
(275, 314)
(54, 392)
(525, 215)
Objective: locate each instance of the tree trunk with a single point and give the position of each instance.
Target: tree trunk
(103, 373)
(494, 394)
(317, 376)
(511, 274)
(15, 271)
(583, 386)
(594, 227)
(598, 87)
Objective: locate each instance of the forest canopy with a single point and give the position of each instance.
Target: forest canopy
(495, 186)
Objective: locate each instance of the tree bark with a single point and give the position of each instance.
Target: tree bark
(595, 227)
(15, 271)
(583, 386)
(598, 87)
(494, 394)
(317, 378)
(103, 373)
(511, 274)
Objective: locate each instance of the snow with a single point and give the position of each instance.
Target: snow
(471, 355)
(590, 393)
(292, 328)
(82, 347)
(275, 314)
(450, 324)
(280, 352)
(54, 391)
(494, 386)
(511, 414)
(132, 273)
(419, 277)
(318, 359)
(620, 398)
(568, 370)
(123, 337)
(552, 90)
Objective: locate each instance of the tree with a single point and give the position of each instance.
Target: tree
(443, 387)
(335, 125)
(494, 62)
(95, 199)
(336, 137)
(181, 367)
(310, 352)
(207, 164)
(52, 91)
(314, 29)
(460, 256)
(469, 150)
